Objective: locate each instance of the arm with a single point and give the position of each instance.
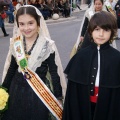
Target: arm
(117, 6)
(10, 73)
(85, 25)
(55, 77)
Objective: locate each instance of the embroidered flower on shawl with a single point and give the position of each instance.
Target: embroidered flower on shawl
(44, 50)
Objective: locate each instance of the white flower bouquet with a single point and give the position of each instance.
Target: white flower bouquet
(3, 100)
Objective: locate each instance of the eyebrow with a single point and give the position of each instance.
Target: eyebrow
(28, 21)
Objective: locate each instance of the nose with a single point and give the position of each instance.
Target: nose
(101, 32)
(26, 27)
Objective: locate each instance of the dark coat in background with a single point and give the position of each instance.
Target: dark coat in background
(118, 12)
(77, 102)
(2, 4)
(86, 42)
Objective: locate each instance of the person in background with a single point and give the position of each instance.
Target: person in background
(33, 72)
(117, 8)
(61, 7)
(67, 8)
(37, 4)
(2, 25)
(9, 11)
(11, 7)
(19, 4)
(110, 7)
(97, 7)
(14, 2)
(45, 10)
(93, 90)
(32, 2)
(78, 3)
(29, 2)
(83, 37)
(113, 3)
(50, 7)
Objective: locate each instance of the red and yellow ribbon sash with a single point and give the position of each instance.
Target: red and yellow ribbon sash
(38, 86)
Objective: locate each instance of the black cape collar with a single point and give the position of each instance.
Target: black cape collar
(78, 68)
(102, 47)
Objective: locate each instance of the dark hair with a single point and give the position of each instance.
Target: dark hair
(106, 21)
(100, 0)
(30, 11)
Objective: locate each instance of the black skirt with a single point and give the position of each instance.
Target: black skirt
(24, 104)
(93, 106)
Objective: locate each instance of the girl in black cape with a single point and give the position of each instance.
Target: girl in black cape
(93, 90)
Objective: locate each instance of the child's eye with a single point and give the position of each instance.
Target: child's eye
(96, 28)
(107, 30)
(21, 24)
(30, 23)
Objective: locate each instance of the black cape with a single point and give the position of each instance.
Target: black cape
(77, 102)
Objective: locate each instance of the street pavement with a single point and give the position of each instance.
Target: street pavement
(61, 18)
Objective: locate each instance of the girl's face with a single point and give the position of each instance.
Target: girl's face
(28, 26)
(101, 36)
(98, 5)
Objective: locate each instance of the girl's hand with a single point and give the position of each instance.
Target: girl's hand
(81, 38)
(61, 102)
(117, 6)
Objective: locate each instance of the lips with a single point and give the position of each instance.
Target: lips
(28, 32)
(100, 39)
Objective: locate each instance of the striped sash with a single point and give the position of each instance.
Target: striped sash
(108, 5)
(38, 86)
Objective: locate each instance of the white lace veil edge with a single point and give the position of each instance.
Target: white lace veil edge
(60, 71)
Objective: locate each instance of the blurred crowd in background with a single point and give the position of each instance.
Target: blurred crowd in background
(48, 8)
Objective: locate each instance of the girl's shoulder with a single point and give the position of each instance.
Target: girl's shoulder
(89, 13)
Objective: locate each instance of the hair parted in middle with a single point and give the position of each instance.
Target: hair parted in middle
(104, 20)
(102, 1)
(30, 11)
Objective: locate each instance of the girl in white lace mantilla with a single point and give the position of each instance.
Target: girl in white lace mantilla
(43, 59)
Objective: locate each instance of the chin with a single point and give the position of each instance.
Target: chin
(99, 43)
(28, 36)
(98, 10)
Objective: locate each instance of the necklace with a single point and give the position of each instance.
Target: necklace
(27, 54)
